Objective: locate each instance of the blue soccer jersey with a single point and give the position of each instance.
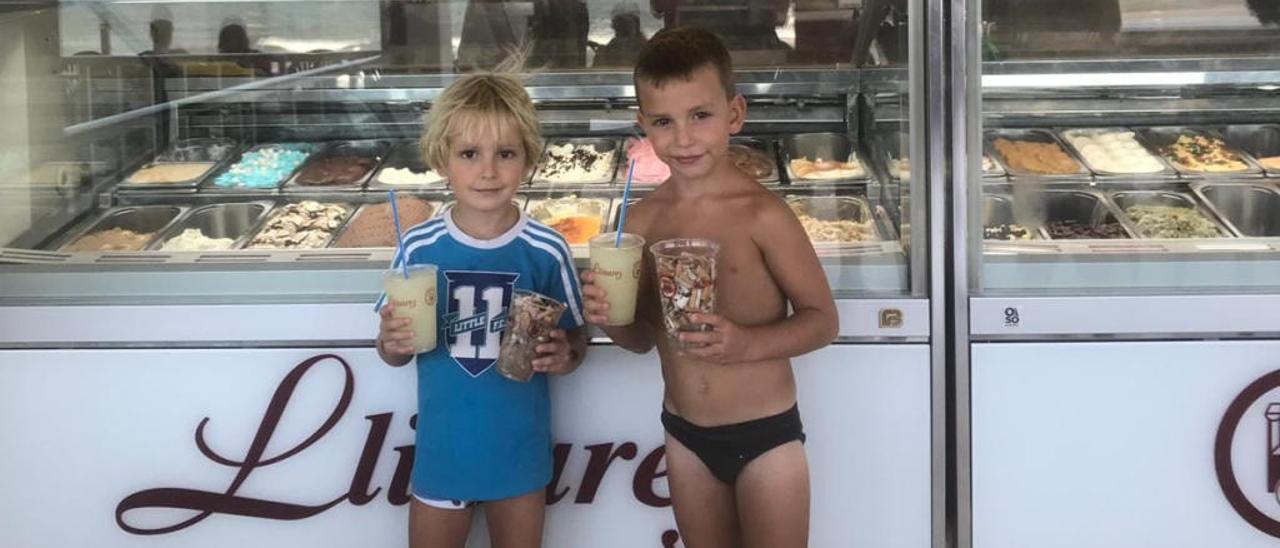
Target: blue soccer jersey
(481, 436)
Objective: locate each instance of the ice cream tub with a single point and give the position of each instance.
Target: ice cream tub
(1260, 142)
(1249, 210)
(373, 226)
(302, 225)
(822, 158)
(834, 221)
(1199, 153)
(1000, 220)
(583, 161)
(1167, 214)
(343, 166)
(123, 229)
(183, 166)
(1078, 215)
(756, 157)
(578, 219)
(259, 169)
(167, 176)
(649, 170)
(233, 222)
(1113, 153)
(1035, 154)
(404, 168)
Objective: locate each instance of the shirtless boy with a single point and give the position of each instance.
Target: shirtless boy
(736, 463)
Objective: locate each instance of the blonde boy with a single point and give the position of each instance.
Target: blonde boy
(482, 438)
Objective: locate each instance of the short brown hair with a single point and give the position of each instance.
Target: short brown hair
(677, 53)
(481, 103)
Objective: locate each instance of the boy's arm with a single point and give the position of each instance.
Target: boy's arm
(794, 265)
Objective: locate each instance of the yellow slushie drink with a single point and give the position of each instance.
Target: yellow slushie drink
(414, 298)
(617, 270)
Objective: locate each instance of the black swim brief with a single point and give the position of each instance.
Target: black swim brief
(727, 449)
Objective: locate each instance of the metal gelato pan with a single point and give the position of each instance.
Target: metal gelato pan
(759, 149)
(219, 221)
(1106, 152)
(405, 168)
(1079, 215)
(123, 229)
(1261, 142)
(318, 170)
(279, 233)
(211, 185)
(1000, 221)
(578, 219)
(363, 216)
(1249, 210)
(1022, 164)
(606, 150)
(1164, 140)
(824, 148)
(836, 220)
(1197, 222)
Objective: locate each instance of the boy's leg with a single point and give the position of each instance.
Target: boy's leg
(516, 522)
(431, 527)
(773, 498)
(703, 505)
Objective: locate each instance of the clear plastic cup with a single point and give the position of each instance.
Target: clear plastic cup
(617, 270)
(414, 298)
(686, 277)
(529, 319)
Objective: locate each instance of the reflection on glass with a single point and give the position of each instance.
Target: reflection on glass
(1056, 29)
(136, 119)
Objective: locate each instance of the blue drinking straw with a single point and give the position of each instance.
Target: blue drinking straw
(622, 213)
(395, 216)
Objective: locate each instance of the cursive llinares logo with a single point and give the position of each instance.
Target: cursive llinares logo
(600, 457)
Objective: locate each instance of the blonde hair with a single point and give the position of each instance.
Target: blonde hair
(481, 104)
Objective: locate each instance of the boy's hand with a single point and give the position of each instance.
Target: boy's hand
(394, 335)
(594, 305)
(554, 354)
(725, 343)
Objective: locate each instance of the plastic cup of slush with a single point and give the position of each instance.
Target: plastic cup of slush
(616, 263)
(414, 297)
(686, 272)
(529, 319)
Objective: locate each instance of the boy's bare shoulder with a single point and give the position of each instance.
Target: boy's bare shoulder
(763, 204)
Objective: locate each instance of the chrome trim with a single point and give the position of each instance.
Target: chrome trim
(209, 323)
(928, 148)
(967, 149)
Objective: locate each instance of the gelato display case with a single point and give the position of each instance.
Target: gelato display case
(1128, 261)
(192, 182)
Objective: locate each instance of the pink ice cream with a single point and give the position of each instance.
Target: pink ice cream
(649, 169)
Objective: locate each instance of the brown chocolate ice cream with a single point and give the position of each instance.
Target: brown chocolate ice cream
(375, 227)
